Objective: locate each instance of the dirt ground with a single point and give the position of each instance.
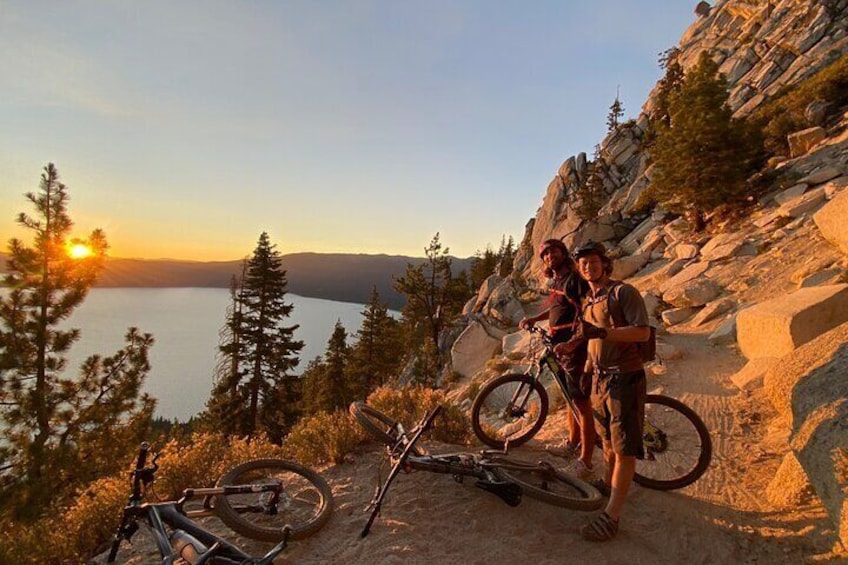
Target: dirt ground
(722, 518)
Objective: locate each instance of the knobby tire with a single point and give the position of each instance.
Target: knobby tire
(492, 403)
(685, 450)
(305, 505)
(549, 485)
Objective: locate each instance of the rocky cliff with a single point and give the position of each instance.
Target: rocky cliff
(766, 284)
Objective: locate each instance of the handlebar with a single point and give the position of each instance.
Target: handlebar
(143, 475)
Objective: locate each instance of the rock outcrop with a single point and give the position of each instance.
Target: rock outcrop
(810, 388)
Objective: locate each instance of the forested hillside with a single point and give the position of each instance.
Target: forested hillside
(342, 277)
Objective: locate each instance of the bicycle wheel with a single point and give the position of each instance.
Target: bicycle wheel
(379, 426)
(304, 502)
(677, 445)
(509, 407)
(547, 484)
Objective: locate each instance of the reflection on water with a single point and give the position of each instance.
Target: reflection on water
(185, 323)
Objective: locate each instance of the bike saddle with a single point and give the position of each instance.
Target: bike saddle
(508, 492)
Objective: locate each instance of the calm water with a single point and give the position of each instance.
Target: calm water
(185, 323)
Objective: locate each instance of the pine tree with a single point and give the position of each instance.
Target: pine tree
(260, 393)
(51, 420)
(433, 297)
(378, 350)
(225, 408)
(483, 265)
(615, 114)
(506, 257)
(704, 156)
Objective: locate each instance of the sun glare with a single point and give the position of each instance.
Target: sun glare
(79, 251)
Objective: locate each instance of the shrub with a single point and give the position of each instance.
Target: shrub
(408, 404)
(71, 534)
(784, 114)
(323, 438)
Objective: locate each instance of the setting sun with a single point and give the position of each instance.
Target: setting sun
(79, 251)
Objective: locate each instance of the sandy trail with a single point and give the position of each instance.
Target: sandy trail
(723, 518)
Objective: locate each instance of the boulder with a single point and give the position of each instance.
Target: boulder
(722, 246)
(801, 142)
(652, 303)
(503, 305)
(516, 343)
(810, 387)
(489, 285)
(713, 310)
(776, 327)
(802, 205)
(832, 188)
(677, 230)
(725, 333)
(626, 267)
(688, 273)
(831, 221)
(474, 346)
(790, 486)
(696, 292)
(685, 251)
(631, 242)
(751, 375)
(823, 174)
(674, 316)
(834, 275)
(791, 193)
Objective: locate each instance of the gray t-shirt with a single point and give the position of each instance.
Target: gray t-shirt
(610, 355)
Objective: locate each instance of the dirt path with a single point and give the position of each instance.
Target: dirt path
(723, 518)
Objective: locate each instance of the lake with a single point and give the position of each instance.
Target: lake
(185, 323)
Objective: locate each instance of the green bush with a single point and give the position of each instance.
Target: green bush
(784, 114)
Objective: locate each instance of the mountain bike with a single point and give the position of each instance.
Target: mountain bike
(506, 477)
(269, 500)
(510, 409)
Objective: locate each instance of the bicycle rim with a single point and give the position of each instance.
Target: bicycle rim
(510, 407)
(550, 485)
(677, 445)
(305, 500)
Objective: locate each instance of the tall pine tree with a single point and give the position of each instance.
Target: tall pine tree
(703, 156)
(376, 355)
(260, 393)
(54, 424)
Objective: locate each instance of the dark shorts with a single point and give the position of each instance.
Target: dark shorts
(618, 403)
(578, 382)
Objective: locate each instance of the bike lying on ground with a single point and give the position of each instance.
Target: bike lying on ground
(504, 476)
(512, 408)
(265, 499)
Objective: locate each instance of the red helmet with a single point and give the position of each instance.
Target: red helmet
(551, 243)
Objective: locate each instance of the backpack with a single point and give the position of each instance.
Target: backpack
(647, 349)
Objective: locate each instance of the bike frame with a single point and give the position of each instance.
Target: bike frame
(173, 514)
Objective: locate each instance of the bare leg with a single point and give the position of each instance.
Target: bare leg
(587, 431)
(624, 466)
(575, 425)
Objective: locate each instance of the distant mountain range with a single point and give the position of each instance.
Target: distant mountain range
(331, 276)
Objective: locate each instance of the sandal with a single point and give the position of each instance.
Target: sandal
(602, 528)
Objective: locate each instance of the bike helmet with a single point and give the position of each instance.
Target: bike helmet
(551, 243)
(591, 248)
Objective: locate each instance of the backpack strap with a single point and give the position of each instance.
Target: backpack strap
(614, 305)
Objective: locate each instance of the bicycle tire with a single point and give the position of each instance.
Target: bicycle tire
(495, 419)
(549, 485)
(680, 452)
(306, 501)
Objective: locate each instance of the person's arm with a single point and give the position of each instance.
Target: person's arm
(530, 320)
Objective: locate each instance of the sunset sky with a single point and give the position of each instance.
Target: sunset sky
(186, 128)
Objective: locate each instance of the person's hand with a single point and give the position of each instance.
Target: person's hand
(567, 348)
(525, 324)
(589, 331)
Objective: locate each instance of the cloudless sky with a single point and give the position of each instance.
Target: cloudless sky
(186, 128)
